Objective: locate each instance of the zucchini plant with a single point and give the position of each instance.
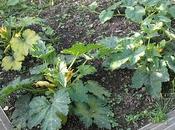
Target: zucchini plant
(17, 40)
(150, 50)
(56, 89)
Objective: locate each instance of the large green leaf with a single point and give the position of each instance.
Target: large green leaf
(17, 85)
(78, 92)
(118, 59)
(139, 78)
(49, 113)
(20, 114)
(135, 13)
(38, 110)
(86, 70)
(38, 69)
(78, 49)
(95, 111)
(137, 54)
(109, 42)
(82, 110)
(97, 90)
(129, 2)
(164, 19)
(43, 51)
(156, 78)
(171, 10)
(107, 14)
(151, 79)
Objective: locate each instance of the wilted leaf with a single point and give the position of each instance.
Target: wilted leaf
(9, 62)
(23, 46)
(69, 75)
(62, 74)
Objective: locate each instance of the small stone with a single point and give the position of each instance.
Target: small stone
(6, 108)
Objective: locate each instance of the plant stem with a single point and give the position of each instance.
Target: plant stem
(72, 62)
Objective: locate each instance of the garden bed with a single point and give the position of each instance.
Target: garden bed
(73, 22)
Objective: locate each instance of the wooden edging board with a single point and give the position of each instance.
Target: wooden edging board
(4, 121)
(169, 124)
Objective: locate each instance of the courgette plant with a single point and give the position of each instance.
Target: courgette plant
(56, 89)
(17, 40)
(150, 50)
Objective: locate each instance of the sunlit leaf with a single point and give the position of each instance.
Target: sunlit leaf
(135, 13)
(79, 49)
(9, 62)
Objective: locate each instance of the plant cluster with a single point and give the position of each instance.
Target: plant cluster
(150, 50)
(55, 87)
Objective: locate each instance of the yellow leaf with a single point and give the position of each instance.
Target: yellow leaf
(30, 37)
(19, 46)
(3, 32)
(23, 45)
(18, 57)
(9, 62)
